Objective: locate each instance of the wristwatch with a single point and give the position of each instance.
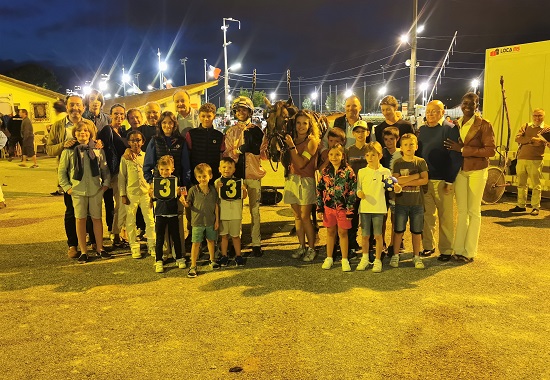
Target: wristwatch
(292, 147)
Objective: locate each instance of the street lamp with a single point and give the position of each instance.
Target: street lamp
(314, 97)
(125, 79)
(475, 84)
(183, 61)
(162, 67)
(348, 93)
(382, 90)
(273, 96)
(424, 88)
(225, 43)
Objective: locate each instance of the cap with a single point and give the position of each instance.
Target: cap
(360, 124)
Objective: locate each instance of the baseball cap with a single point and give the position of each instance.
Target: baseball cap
(360, 124)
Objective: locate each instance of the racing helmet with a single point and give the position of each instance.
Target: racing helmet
(243, 101)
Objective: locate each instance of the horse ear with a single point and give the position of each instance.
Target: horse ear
(289, 102)
(267, 102)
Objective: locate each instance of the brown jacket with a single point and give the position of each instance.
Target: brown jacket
(479, 145)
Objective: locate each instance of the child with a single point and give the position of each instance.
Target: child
(390, 154)
(166, 214)
(411, 173)
(356, 158)
(84, 175)
(134, 192)
(334, 136)
(335, 203)
(370, 188)
(202, 200)
(231, 210)
(245, 143)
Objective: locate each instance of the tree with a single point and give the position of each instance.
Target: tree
(257, 100)
(335, 102)
(35, 74)
(307, 103)
(220, 111)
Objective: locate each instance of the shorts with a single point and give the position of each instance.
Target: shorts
(332, 217)
(230, 227)
(84, 205)
(28, 150)
(376, 220)
(300, 190)
(197, 234)
(404, 213)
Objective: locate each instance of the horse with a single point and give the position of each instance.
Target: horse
(280, 118)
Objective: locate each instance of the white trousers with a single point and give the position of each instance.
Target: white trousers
(144, 203)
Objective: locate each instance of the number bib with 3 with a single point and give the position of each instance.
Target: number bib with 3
(165, 188)
(231, 189)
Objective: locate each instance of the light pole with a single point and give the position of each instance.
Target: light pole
(424, 88)
(205, 79)
(475, 84)
(412, 75)
(300, 92)
(183, 61)
(160, 70)
(225, 43)
(125, 79)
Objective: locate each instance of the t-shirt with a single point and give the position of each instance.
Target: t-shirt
(411, 195)
(370, 182)
(230, 209)
(356, 157)
(203, 206)
(403, 125)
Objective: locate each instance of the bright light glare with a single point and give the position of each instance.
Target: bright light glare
(86, 90)
(382, 90)
(107, 96)
(126, 78)
(130, 90)
(424, 86)
(230, 97)
(149, 87)
(313, 95)
(475, 83)
(273, 95)
(420, 28)
(348, 93)
(102, 85)
(235, 66)
(169, 81)
(163, 66)
(404, 39)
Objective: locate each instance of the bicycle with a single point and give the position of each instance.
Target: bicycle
(496, 179)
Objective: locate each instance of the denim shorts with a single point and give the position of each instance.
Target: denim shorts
(197, 234)
(404, 213)
(377, 221)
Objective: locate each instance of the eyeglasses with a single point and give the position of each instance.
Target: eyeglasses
(538, 115)
(135, 141)
(432, 112)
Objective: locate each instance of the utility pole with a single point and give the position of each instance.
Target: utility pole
(205, 80)
(300, 92)
(412, 76)
(183, 61)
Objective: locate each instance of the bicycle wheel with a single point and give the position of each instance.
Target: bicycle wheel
(494, 187)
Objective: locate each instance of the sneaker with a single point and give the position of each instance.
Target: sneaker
(444, 258)
(192, 272)
(72, 252)
(394, 261)
(377, 266)
(518, 209)
(363, 264)
(239, 261)
(159, 267)
(257, 251)
(327, 264)
(56, 193)
(181, 263)
(34, 166)
(310, 255)
(104, 255)
(83, 258)
(535, 212)
(136, 252)
(222, 261)
(299, 252)
(213, 264)
(427, 252)
(418, 264)
(345, 265)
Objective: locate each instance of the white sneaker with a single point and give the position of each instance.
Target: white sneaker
(345, 265)
(298, 252)
(363, 264)
(159, 267)
(327, 264)
(394, 261)
(181, 263)
(377, 266)
(418, 264)
(310, 255)
(136, 253)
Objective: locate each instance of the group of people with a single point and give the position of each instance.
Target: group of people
(20, 137)
(176, 166)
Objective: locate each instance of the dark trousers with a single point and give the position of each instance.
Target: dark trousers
(70, 221)
(109, 200)
(161, 222)
(12, 143)
(352, 232)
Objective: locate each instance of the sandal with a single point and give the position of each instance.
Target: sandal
(463, 259)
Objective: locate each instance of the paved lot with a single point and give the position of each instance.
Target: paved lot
(276, 318)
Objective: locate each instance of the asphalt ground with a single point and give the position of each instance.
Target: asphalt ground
(276, 317)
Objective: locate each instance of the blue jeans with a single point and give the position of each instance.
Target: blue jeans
(404, 213)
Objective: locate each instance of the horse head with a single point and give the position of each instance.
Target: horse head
(278, 115)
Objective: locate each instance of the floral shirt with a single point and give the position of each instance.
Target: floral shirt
(337, 190)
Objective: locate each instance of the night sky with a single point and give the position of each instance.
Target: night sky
(334, 43)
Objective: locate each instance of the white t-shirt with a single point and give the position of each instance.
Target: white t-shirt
(370, 182)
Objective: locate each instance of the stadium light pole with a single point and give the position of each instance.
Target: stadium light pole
(226, 78)
(412, 75)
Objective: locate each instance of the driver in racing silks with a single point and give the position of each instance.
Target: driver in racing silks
(246, 144)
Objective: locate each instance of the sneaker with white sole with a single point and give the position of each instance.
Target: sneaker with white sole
(364, 263)
(181, 263)
(394, 261)
(159, 267)
(298, 252)
(345, 265)
(310, 255)
(192, 272)
(418, 264)
(377, 266)
(327, 264)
